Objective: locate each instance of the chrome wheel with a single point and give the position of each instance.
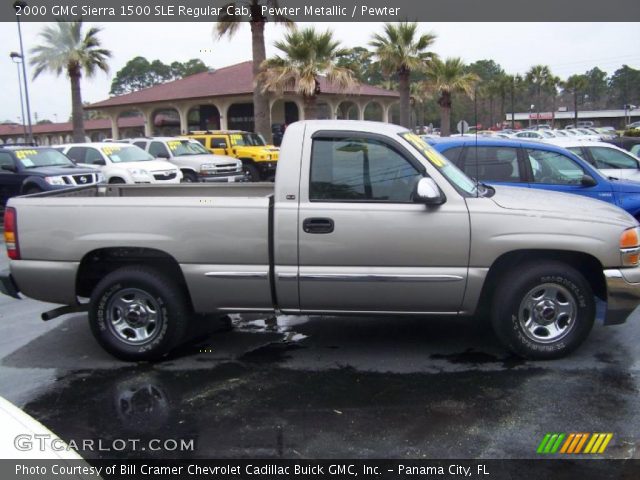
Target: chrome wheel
(547, 313)
(134, 316)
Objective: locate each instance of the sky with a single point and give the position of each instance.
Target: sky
(567, 48)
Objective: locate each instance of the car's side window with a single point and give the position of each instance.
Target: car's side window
(554, 168)
(6, 161)
(611, 158)
(360, 169)
(93, 156)
(578, 151)
(497, 164)
(201, 140)
(77, 154)
(218, 142)
(140, 144)
(158, 149)
(453, 155)
(636, 150)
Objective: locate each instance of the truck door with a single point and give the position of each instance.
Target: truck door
(364, 244)
(219, 145)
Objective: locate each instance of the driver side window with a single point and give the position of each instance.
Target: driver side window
(356, 169)
(553, 168)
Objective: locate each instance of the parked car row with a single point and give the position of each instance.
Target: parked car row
(227, 156)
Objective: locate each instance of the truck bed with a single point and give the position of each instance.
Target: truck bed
(209, 230)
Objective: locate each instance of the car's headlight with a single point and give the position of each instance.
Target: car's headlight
(137, 171)
(59, 180)
(99, 178)
(630, 247)
(207, 166)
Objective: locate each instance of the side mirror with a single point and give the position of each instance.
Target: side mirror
(163, 155)
(588, 181)
(427, 192)
(100, 161)
(9, 168)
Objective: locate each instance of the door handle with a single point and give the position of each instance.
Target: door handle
(318, 225)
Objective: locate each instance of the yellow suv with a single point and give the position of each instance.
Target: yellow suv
(258, 159)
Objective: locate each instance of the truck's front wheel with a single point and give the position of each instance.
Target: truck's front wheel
(543, 310)
(137, 313)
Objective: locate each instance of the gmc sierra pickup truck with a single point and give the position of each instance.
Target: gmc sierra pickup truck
(364, 218)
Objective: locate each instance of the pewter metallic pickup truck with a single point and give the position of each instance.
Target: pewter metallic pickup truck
(364, 218)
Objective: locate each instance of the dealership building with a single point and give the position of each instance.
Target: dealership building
(565, 116)
(219, 99)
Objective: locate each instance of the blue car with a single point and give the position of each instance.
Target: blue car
(536, 165)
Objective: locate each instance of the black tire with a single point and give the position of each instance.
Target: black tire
(116, 181)
(189, 177)
(561, 315)
(142, 291)
(252, 173)
(31, 190)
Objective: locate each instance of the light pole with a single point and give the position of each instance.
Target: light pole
(531, 113)
(21, 4)
(17, 59)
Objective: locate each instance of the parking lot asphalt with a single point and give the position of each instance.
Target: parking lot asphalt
(322, 387)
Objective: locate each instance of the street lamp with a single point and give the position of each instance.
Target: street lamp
(21, 4)
(17, 59)
(531, 113)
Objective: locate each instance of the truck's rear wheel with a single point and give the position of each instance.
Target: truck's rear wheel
(137, 313)
(543, 310)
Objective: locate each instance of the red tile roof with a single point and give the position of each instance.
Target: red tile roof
(66, 127)
(232, 80)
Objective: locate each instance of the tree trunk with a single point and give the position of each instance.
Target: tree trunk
(310, 108)
(445, 114)
(575, 109)
(261, 113)
(403, 89)
(76, 106)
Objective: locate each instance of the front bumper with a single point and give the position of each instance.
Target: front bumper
(224, 178)
(7, 285)
(623, 294)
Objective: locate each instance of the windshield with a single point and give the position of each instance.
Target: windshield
(32, 158)
(122, 154)
(247, 140)
(456, 177)
(180, 148)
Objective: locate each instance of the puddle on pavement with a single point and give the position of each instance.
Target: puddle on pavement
(473, 357)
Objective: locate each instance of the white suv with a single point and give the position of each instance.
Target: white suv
(122, 162)
(195, 161)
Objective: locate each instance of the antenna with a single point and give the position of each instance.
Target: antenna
(475, 121)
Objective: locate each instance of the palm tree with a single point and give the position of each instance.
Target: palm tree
(446, 78)
(229, 25)
(306, 55)
(540, 76)
(401, 50)
(67, 49)
(576, 85)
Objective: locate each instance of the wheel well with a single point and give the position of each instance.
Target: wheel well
(246, 160)
(586, 264)
(116, 179)
(96, 264)
(30, 184)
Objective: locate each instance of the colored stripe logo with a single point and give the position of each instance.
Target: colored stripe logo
(574, 443)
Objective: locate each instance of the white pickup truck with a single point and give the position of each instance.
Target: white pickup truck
(364, 218)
